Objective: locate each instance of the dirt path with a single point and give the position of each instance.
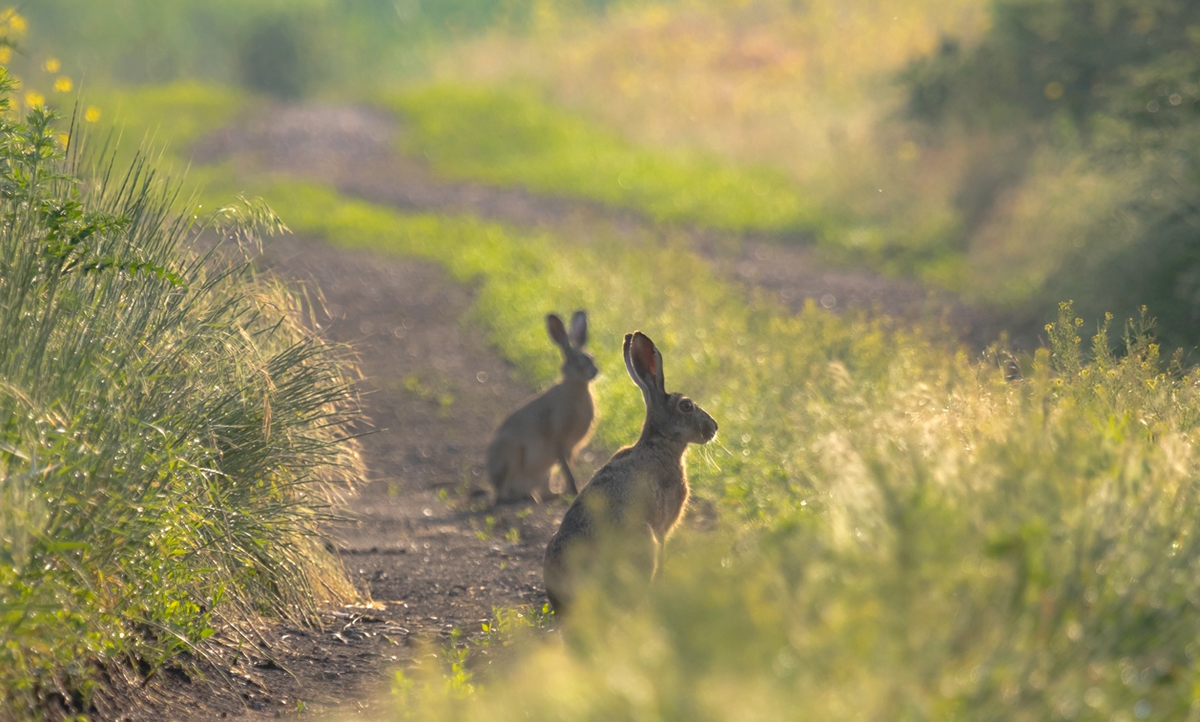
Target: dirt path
(435, 389)
(431, 558)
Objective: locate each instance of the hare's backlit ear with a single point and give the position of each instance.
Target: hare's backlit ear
(628, 361)
(644, 362)
(579, 329)
(558, 332)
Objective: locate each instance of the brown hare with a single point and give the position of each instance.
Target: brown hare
(636, 499)
(549, 428)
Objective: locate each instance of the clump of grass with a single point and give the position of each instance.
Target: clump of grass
(512, 137)
(170, 434)
(904, 532)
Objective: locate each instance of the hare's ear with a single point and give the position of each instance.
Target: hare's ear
(558, 332)
(579, 329)
(644, 363)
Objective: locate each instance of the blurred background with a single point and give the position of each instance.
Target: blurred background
(1018, 152)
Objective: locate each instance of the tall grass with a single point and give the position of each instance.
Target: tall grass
(904, 533)
(170, 434)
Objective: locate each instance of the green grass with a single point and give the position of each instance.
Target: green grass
(169, 433)
(511, 137)
(905, 533)
(166, 118)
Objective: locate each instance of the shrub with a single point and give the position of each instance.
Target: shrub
(169, 433)
(276, 59)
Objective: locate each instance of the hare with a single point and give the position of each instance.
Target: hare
(636, 499)
(549, 428)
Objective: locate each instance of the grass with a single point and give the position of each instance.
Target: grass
(905, 533)
(805, 90)
(168, 117)
(512, 137)
(170, 434)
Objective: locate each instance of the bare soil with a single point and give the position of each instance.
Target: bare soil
(430, 556)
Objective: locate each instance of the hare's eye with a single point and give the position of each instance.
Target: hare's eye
(686, 406)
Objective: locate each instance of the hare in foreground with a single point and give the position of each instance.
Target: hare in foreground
(549, 428)
(636, 499)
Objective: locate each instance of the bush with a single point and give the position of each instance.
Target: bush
(168, 431)
(276, 59)
(1112, 91)
(1043, 57)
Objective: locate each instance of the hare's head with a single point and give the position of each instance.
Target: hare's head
(673, 416)
(578, 365)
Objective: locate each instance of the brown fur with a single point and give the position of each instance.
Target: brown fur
(551, 427)
(634, 501)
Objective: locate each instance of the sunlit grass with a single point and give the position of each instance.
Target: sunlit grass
(512, 137)
(807, 90)
(165, 118)
(905, 533)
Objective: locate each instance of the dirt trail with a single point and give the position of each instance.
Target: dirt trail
(435, 390)
(431, 558)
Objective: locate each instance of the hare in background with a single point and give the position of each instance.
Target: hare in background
(549, 428)
(636, 499)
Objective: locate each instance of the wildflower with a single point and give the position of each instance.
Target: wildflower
(16, 24)
(5, 54)
(92, 114)
(63, 84)
(51, 65)
(64, 140)
(34, 99)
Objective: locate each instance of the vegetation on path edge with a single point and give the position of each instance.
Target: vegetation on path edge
(903, 531)
(170, 434)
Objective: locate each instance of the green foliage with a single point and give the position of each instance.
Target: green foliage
(1111, 88)
(512, 137)
(170, 117)
(1146, 252)
(273, 58)
(1083, 57)
(904, 533)
(167, 428)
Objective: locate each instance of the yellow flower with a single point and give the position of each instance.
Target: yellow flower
(5, 53)
(64, 139)
(51, 65)
(34, 99)
(15, 22)
(92, 114)
(63, 84)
